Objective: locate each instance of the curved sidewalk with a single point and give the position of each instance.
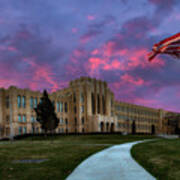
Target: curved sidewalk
(114, 163)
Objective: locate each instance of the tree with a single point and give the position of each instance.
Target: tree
(45, 113)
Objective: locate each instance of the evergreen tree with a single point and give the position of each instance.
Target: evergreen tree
(45, 113)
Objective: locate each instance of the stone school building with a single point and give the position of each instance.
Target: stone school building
(86, 106)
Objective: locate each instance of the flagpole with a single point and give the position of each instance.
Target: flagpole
(11, 137)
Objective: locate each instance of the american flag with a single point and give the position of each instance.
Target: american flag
(170, 46)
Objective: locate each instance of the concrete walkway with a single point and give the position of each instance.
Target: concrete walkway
(114, 163)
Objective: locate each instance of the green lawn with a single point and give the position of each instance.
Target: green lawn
(161, 158)
(64, 154)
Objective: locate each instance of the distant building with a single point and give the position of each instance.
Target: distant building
(86, 106)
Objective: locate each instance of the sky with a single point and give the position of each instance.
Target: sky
(44, 44)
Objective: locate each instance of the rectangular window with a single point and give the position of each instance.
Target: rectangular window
(40, 100)
(82, 109)
(74, 97)
(19, 101)
(24, 130)
(61, 120)
(31, 103)
(66, 107)
(61, 107)
(37, 130)
(32, 119)
(58, 106)
(20, 130)
(7, 101)
(7, 118)
(35, 102)
(82, 98)
(24, 118)
(24, 101)
(19, 118)
(75, 110)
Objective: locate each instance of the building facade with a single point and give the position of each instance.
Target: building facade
(86, 106)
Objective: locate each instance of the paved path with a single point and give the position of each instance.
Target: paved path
(114, 163)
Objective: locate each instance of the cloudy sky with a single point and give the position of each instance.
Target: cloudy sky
(47, 43)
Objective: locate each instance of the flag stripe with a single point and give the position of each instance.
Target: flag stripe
(169, 46)
(169, 40)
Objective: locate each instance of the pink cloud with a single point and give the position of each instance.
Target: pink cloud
(95, 52)
(12, 49)
(85, 39)
(91, 17)
(74, 30)
(132, 80)
(41, 74)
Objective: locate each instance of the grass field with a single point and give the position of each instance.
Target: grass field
(64, 154)
(161, 158)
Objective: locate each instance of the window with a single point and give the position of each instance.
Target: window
(19, 101)
(20, 130)
(35, 102)
(104, 105)
(7, 118)
(24, 118)
(66, 120)
(24, 101)
(61, 120)
(24, 130)
(7, 101)
(58, 106)
(75, 121)
(82, 120)
(31, 103)
(82, 98)
(82, 109)
(40, 100)
(74, 97)
(98, 104)
(61, 130)
(61, 107)
(37, 130)
(66, 107)
(32, 119)
(93, 103)
(75, 110)
(19, 118)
